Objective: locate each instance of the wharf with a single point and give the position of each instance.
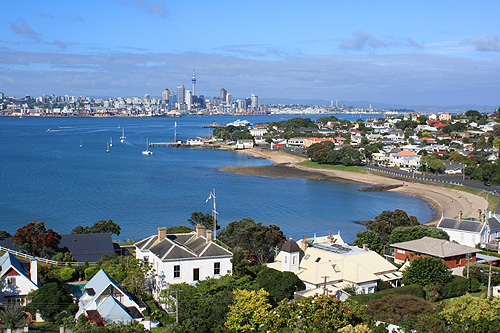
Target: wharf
(214, 125)
(181, 145)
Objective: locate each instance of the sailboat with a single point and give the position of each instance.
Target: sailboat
(110, 141)
(107, 147)
(147, 151)
(81, 145)
(123, 137)
(175, 132)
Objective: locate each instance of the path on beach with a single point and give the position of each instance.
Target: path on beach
(446, 201)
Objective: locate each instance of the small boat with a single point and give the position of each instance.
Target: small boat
(147, 151)
(123, 137)
(110, 141)
(107, 147)
(81, 145)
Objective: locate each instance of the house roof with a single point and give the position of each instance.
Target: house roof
(290, 246)
(91, 247)
(406, 153)
(9, 261)
(111, 309)
(441, 248)
(182, 246)
(470, 224)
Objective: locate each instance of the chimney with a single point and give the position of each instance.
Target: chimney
(209, 235)
(482, 218)
(34, 272)
(459, 216)
(479, 214)
(330, 238)
(162, 233)
(303, 245)
(365, 247)
(200, 230)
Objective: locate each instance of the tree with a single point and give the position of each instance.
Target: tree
(370, 238)
(4, 234)
(258, 240)
(405, 234)
(247, 311)
(279, 285)
(179, 230)
(433, 163)
(131, 273)
(318, 313)
(345, 156)
(473, 114)
(395, 308)
(205, 220)
(13, 316)
(473, 314)
(426, 270)
(36, 240)
(99, 227)
(387, 221)
(50, 300)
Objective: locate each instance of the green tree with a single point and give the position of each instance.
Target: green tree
(67, 274)
(472, 314)
(131, 273)
(426, 270)
(4, 234)
(432, 163)
(395, 308)
(247, 311)
(205, 220)
(36, 240)
(405, 234)
(387, 221)
(344, 156)
(279, 285)
(50, 300)
(179, 230)
(370, 238)
(99, 227)
(473, 114)
(13, 316)
(319, 313)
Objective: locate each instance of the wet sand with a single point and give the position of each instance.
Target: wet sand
(445, 201)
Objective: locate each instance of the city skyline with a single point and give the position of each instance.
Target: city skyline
(406, 54)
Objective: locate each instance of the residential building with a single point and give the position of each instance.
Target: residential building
(244, 144)
(331, 265)
(186, 257)
(453, 254)
(405, 159)
(15, 281)
(471, 231)
(105, 297)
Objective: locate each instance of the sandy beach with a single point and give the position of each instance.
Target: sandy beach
(446, 201)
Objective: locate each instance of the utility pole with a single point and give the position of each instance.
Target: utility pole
(177, 305)
(325, 292)
(489, 283)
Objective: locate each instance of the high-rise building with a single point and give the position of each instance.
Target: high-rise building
(229, 99)
(255, 101)
(181, 94)
(165, 95)
(223, 94)
(189, 99)
(193, 81)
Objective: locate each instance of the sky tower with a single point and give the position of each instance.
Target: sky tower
(194, 83)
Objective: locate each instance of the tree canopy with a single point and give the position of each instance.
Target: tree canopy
(205, 220)
(387, 221)
(425, 271)
(36, 240)
(405, 234)
(370, 238)
(247, 311)
(50, 300)
(101, 226)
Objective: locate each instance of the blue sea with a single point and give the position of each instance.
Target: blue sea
(46, 176)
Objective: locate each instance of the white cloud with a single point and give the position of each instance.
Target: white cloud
(361, 40)
(483, 43)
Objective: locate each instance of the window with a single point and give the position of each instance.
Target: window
(400, 251)
(216, 268)
(146, 259)
(177, 271)
(306, 257)
(196, 274)
(11, 280)
(293, 260)
(317, 259)
(285, 260)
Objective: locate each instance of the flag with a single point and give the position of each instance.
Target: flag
(209, 197)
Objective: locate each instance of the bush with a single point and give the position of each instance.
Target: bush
(67, 274)
(90, 272)
(413, 289)
(475, 286)
(455, 288)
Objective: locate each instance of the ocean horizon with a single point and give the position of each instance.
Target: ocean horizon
(46, 176)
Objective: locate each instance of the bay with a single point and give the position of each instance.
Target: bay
(46, 176)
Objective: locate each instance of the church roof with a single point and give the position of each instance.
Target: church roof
(290, 246)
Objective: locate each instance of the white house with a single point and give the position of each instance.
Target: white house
(334, 265)
(187, 257)
(405, 158)
(471, 231)
(258, 131)
(198, 141)
(105, 297)
(16, 282)
(296, 142)
(244, 144)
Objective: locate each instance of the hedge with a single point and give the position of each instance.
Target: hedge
(412, 289)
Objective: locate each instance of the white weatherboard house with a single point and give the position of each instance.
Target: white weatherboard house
(187, 257)
(15, 281)
(332, 265)
(105, 297)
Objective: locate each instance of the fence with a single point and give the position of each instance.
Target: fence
(47, 261)
(413, 176)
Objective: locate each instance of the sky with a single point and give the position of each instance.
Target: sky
(399, 52)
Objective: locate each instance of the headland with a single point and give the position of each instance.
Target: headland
(445, 201)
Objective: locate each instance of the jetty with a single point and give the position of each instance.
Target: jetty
(213, 125)
(179, 144)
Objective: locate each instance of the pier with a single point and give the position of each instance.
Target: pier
(214, 125)
(181, 145)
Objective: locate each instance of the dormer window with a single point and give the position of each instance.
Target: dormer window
(11, 280)
(317, 259)
(336, 268)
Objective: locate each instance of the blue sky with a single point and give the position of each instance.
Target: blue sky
(405, 53)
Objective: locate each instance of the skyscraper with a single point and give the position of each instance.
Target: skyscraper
(189, 99)
(255, 101)
(181, 94)
(223, 94)
(165, 95)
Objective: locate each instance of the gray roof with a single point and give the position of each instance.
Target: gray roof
(470, 224)
(182, 246)
(290, 246)
(111, 309)
(91, 247)
(441, 248)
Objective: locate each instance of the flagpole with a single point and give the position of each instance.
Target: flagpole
(214, 213)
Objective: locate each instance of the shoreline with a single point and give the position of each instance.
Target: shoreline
(444, 201)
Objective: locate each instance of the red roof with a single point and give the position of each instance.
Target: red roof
(339, 138)
(406, 153)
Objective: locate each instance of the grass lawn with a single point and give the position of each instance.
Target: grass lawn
(49, 327)
(127, 243)
(353, 168)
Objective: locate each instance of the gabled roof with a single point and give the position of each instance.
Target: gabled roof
(182, 246)
(469, 224)
(440, 248)
(101, 281)
(111, 309)
(91, 247)
(8, 261)
(406, 153)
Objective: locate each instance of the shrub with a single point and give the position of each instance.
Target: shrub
(90, 272)
(475, 286)
(67, 274)
(456, 287)
(413, 289)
